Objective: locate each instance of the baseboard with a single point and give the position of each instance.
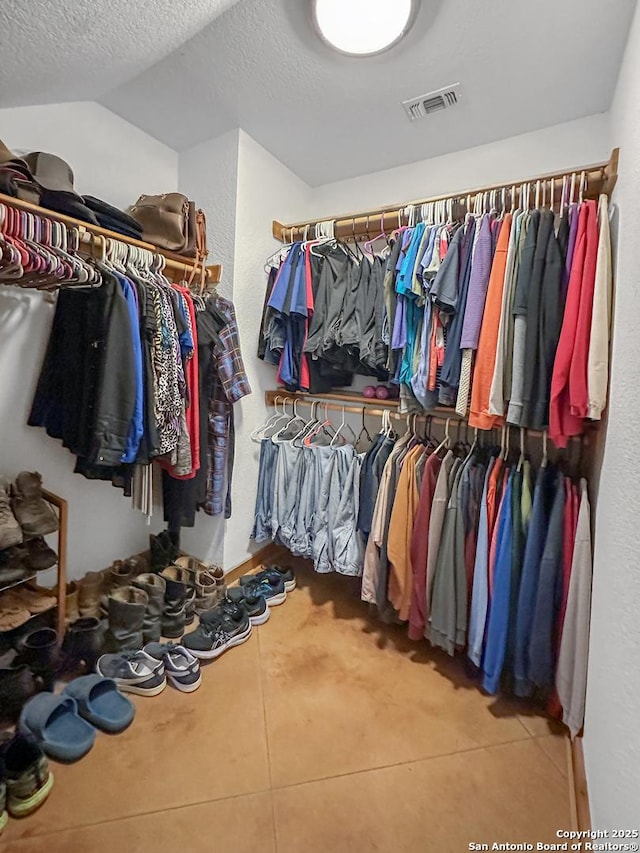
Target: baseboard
(578, 790)
(269, 554)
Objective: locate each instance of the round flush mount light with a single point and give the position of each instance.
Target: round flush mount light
(363, 27)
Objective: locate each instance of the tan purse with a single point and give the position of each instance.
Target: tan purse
(165, 221)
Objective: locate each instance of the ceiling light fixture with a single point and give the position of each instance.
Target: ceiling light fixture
(363, 27)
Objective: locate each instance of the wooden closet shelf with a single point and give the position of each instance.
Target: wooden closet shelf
(354, 403)
(174, 263)
(601, 178)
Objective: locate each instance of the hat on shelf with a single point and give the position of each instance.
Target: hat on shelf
(15, 176)
(51, 172)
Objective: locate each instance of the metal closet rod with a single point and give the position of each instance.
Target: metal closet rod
(600, 178)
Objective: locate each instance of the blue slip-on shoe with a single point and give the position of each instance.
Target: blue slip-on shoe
(101, 703)
(54, 722)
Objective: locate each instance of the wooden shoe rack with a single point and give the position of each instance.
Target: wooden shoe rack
(60, 506)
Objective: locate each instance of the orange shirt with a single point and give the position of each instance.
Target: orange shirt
(487, 345)
(400, 534)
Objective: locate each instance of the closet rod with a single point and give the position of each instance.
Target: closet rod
(354, 404)
(601, 178)
(174, 263)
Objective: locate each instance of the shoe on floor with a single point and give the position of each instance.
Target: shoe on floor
(212, 638)
(133, 672)
(27, 776)
(100, 703)
(55, 723)
(255, 607)
(180, 665)
(269, 588)
(275, 573)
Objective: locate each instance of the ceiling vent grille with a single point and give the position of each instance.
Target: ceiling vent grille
(433, 102)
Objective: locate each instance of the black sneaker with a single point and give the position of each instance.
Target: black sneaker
(255, 607)
(274, 574)
(212, 638)
(271, 589)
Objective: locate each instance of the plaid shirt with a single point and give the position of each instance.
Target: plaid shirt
(230, 385)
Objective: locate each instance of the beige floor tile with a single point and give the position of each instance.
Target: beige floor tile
(181, 749)
(555, 748)
(241, 825)
(352, 694)
(503, 793)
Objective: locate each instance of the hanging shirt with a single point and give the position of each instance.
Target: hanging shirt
(598, 359)
(400, 533)
(480, 591)
(487, 343)
(571, 677)
(436, 522)
(420, 547)
(498, 622)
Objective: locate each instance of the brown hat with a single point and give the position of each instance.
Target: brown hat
(51, 172)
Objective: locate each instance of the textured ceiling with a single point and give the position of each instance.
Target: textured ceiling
(53, 51)
(184, 77)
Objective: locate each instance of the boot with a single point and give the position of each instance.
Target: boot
(40, 653)
(10, 530)
(116, 577)
(183, 576)
(173, 614)
(163, 551)
(17, 686)
(71, 612)
(127, 607)
(89, 589)
(207, 581)
(83, 644)
(155, 588)
(34, 514)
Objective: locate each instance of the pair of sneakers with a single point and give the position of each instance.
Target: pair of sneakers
(271, 583)
(225, 626)
(146, 672)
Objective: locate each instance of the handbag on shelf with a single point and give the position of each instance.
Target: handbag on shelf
(168, 221)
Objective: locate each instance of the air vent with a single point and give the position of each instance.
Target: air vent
(433, 102)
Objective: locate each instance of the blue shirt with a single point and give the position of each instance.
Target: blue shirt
(136, 427)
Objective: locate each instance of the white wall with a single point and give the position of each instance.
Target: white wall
(612, 737)
(115, 161)
(562, 146)
(267, 190)
(208, 173)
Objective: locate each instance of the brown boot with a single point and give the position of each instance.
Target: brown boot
(34, 514)
(89, 590)
(71, 606)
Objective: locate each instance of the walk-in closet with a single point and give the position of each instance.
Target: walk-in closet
(319, 356)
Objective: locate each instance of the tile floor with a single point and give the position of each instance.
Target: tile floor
(324, 732)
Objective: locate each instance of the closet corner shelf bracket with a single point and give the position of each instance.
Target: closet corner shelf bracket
(174, 263)
(600, 178)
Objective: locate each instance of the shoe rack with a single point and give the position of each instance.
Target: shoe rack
(60, 506)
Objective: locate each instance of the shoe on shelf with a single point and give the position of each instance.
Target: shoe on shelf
(10, 530)
(35, 516)
(270, 588)
(12, 614)
(12, 566)
(212, 638)
(27, 776)
(39, 556)
(276, 573)
(181, 667)
(134, 672)
(35, 600)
